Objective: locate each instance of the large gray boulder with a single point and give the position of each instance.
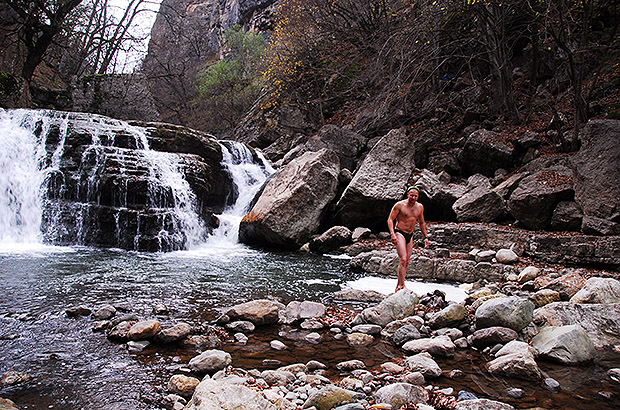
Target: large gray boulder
(565, 344)
(597, 175)
(380, 182)
(396, 306)
(293, 203)
(598, 290)
(512, 312)
(259, 312)
(533, 202)
(480, 204)
(600, 321)
(484, 152)
(398, 395)
(333, 238)
(347, 144)
(210, 361)
(221, 394)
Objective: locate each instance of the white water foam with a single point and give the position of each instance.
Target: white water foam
(386, 286)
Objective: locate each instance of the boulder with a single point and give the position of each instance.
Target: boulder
(423, 363)
(378, 183)
(533, 202)
(183, 385)
(328, 397)
(296, 310)
(292, 204)
(598, 290)
(259, 312)
(220, 394)
(567, 216)
(482, 404)
(450, 316)
(437, 346)
(516, 347)
(173, 334)
(398, 395)
(144, 330)
(600, 321)
(491, 336)
(486, 151)
(527, 274)
(480, 204)
(347, 144)
(597, 172)
(567, 285)
(519, 365)
(360, 233)
(398, 305)
(506, 256)
(512, 312)
(333, 238)
(565, 344)
(210, 361)
(357, 295)
(405, 334)
(544, 297)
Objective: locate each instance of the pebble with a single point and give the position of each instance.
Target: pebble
(552, 385)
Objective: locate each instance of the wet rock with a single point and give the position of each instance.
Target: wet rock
(119, 332)
(350, 365)
(210, 361)
(173, 334)
(332, 239)
(598, 290)
(492, 335)
(277, 345)
(313, 337)
(544, 297)
(398, 305)
(183, 385)
(104, 313)
(566, 344)
(552, 385)
(519, 365)
(259, 312)
(128, 317)
(399, 394)
(356, 295)
(217, 394)
(137, 346)
(144, 330)
(484, 256)
(77, 311)
(450, 316)
(329, 397)
(405, 334)
(174, 401)
(350, 406)
(390, 329)
(437, 346)
(515, 392)
(600, 321)
(423, 363)
(513, 312)
(303, 310)
(12, 378)
(243, 326)
(465, 395)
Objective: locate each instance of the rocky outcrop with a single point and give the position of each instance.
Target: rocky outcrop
(292, 205)
(378, 183)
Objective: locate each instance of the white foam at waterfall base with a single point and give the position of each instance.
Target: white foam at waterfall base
(386, 286)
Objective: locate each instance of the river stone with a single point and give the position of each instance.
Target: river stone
(527, 274)
(311, 324)
(12, 378)
(104, 313)
(357, 295)
(78, 311)
(490, 336)
(513, 312)
(291, 207)
(368, 329)
(329, 397)
(405, 334)
(277, 377)
(506, 256)
(296, 310)
(218, 394)
(600, 321)
(378, 182)
(437, 346)
(449, 316)
(183, 385)
(277, 345)
(518, 365)
(359, 339)
(391, 328)
(544, 297)
(350, 365)
(259, 312)
(333, 238)
(482, 404)
(392, 368)
(566, 344)
(6, 404)
(398, 305)
(598, 290)
(423, 363)
(243, 326)
(399, 394)
(144, 330)
(119, 332)
(313, 337)
(173, 334)
(137, 346)
(518, 347)
(568, 285)
(210, 361)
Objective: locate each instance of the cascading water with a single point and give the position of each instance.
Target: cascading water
(71, 178)
(248, 177)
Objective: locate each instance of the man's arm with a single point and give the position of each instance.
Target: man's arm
(422, 223)
(390, 222)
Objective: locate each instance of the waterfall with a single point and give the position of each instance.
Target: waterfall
(70, 178)
(248, 177)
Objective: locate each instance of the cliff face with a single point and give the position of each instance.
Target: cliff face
(186, 35)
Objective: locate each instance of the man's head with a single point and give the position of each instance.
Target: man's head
(413, 192)
(413, 187)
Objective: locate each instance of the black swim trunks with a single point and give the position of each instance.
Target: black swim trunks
(408, 236)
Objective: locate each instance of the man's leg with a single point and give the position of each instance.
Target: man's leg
(404, 253)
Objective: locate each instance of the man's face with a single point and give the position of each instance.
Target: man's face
(413, 195)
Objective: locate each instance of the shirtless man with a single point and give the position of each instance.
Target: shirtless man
(407, 213)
